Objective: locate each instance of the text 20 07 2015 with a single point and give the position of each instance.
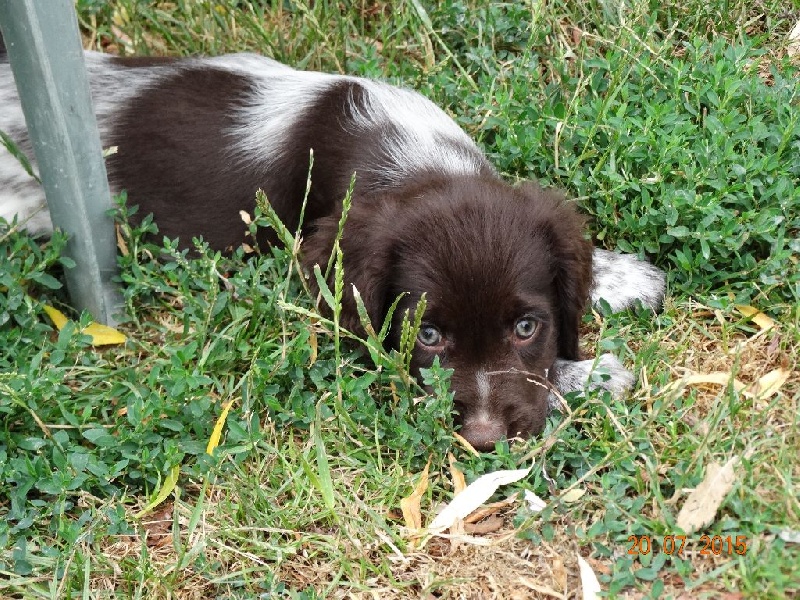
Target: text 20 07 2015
(706, 545)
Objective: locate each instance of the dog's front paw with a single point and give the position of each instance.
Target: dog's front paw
(604, 373)
(622, 279)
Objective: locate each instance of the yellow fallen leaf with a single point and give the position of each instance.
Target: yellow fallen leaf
(216, 433)
(768, 385)
(703, 502)
(102, 335)
(764, 322)
(166, 489)
(716, 378)
(412, 514)
(459, 483)
(56, 316)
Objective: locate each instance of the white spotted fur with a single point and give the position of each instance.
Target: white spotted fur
(622, 280)
(284, 94)
(605, 372)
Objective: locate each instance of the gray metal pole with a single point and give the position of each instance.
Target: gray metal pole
(44, 48)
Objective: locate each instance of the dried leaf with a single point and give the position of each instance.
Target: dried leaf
(56, 316)
(216, 433)
(768, 385)
(465, 444)
(459, 483)
(716, 378)
(589, 583)
(535, 504)
(703, 502)
(559, 573)
(536, 587)
(159, 526)
(487, 525)
(490, 509)
(462, 538)
(759, 318)
(793, 47)
(573, 495)
(790, 536)
(103, 335)
(121, 244)
(412, 514)
(474, 495)
(312, 342)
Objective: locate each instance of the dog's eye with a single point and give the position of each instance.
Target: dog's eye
(429, 336)
(525, 327)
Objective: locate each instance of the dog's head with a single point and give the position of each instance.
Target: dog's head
(506, 274)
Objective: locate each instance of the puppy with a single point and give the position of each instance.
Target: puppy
(506, 270)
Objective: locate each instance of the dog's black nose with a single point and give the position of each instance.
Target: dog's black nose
(483, 433)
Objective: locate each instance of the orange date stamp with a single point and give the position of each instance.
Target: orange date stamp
(678, 545)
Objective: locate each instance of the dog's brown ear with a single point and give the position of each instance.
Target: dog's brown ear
(572, 256)
(367, 244)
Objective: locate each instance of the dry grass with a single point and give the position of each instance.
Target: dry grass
(503, 565)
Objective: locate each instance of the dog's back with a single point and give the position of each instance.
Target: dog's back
(194, 138)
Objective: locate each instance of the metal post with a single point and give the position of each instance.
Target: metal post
(44, 49)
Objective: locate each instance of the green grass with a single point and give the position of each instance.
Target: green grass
(676, 125)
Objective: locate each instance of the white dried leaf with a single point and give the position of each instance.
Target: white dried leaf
(790, 535)
(589, 584)
(535, 504)
(702, 504)
(573, 495)
(475, 494)
(793, 47)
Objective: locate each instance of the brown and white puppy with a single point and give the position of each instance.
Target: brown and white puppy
(506, 270)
